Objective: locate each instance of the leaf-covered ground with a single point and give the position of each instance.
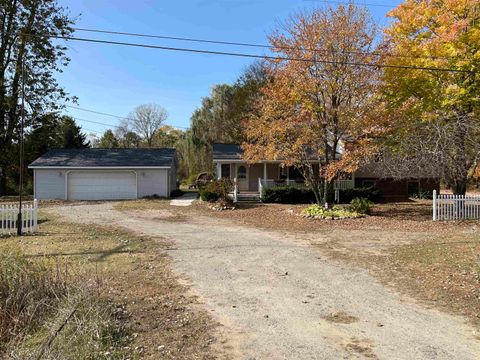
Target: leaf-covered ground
(435, 262)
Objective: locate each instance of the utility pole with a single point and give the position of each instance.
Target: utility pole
(22, 122)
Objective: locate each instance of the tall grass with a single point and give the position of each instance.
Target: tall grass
(47, 313)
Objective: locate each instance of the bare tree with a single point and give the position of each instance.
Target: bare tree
(146, 119)
(447, 147)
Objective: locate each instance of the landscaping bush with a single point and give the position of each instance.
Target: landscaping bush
(216, 190)
(371, 193)
(425, 195)
(294, 195)
(336, 212)
(361, 206)
(287, 195)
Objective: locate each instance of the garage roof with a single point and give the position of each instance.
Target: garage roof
(92, 158)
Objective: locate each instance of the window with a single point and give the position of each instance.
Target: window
(242, 173)
(226, 171)
(368, 183)
(413, 188)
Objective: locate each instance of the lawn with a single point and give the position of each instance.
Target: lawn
(435, 262)
(162, 319)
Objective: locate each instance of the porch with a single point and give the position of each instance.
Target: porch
(250, 180)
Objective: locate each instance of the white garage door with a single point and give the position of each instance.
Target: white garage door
(102, 185)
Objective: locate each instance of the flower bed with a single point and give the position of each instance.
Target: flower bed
(318, 212)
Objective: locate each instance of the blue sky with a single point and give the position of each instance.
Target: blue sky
(114, 79)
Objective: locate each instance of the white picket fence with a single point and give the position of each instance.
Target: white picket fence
(9, 216)
(455, 207)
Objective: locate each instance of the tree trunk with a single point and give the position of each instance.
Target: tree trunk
(318, 194)
(459, 186)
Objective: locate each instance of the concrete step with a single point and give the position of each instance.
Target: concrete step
(248, 197)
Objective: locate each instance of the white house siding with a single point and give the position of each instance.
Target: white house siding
(49, 184)
(173, 179)
(153, 182)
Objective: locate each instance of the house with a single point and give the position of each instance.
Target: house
(104, 174)
(250, 179)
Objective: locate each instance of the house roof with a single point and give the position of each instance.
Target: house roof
(222, 152)
(88, 158)
(227, 151)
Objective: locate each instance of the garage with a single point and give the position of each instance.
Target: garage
(104, 174)
(101, 185)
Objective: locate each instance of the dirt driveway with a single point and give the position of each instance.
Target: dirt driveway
(279, 298)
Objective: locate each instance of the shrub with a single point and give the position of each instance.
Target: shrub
(336, 212)
(216, 190)
(287, 195)
(426, 195)
(371, 193)
(361, 206)
(191, 179)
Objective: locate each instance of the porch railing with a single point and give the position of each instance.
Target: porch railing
(268, 183)
(344, 184)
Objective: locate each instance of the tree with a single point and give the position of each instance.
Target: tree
(146, 119)
(221, 115)
(439, 131)
(108, 140)
(312, 105)
(167, 136)
(70, 135)
(23, 24)
(127, 138)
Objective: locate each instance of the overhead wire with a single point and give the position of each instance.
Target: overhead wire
(111, 115)
(268, 57)
(252, 45)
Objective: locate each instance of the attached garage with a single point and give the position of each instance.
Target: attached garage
(104, 174)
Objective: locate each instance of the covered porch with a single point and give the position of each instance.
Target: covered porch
(252, 179)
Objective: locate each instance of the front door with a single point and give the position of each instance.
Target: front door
(242, 178)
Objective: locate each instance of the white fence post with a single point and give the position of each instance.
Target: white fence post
(434, 205)
(235, 190)
(35, 215)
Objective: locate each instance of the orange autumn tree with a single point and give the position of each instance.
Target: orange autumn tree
(439, 134)
(319, 96)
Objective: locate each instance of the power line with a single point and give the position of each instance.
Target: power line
(277, 58)
(353, 3)
(252, 45)
(111, 115)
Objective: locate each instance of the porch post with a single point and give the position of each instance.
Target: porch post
(219, 171)
(288, 175)
(265, 171)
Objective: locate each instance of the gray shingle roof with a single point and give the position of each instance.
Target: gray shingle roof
(227, 151)
(235, 152)
(79, 158)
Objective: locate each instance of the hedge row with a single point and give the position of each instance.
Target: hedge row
(294, 195)
(287, 195)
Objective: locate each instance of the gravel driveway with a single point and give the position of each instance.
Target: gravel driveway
(278, 298)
